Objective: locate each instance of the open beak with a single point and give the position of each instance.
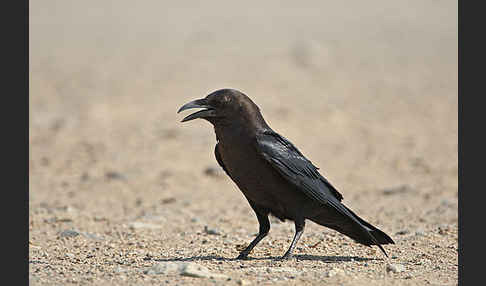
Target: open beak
(208, 111)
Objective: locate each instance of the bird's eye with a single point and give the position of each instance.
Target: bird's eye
(221, 102)
(216, 103)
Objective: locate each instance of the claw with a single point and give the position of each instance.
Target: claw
(242, 256)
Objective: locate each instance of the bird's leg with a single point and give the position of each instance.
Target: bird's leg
(299, 229)
(264, 229)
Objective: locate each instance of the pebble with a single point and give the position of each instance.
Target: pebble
(402, 232)
(288, 270)
(163, 268)
(243, 282)
(195, 270)
(396, 268)
(69, 233)
(114, 175)
(70, 255)
(119, 269)
(168, 201)
(190, 269)
(397, 190)
(211, 230)
(214, 172)
(446, 203)
(334, 272)
(92, 236)
(137, 225)
(443, 229)
(420, 232)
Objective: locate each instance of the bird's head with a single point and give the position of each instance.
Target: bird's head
(224, 106)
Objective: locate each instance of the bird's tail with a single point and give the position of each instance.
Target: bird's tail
(380, 236)
(362, 232)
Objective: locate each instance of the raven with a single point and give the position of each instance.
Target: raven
(273, 174)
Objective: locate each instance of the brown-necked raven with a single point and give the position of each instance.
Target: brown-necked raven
(273, 174)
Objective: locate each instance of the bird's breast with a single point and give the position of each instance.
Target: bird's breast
(258, 181)
(245, 166)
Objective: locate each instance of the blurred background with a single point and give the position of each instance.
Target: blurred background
(367, 90)
(112, 74)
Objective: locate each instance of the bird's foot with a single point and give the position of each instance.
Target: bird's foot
(242, 256)
(286, 256)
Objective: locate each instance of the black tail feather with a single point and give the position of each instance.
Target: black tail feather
(380, 236)
(362, 232)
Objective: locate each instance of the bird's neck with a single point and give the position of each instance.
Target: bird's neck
(237, 132)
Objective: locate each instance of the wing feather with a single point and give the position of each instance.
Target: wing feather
(296, 169)
(294, 166)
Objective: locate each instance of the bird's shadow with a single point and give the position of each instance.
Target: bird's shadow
(298, 257)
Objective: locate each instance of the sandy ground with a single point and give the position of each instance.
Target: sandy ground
(119, 186)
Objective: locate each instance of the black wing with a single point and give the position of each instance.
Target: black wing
(297, 170)
(293, 166)
(288, 160)
(220, 161)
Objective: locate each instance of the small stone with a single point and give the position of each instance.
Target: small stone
(334, 272)
(395, 268)
(92, 236)
(168, 201)
(211, 230)
(419, 232)
(163, 268)
(99, 218)
(114, 175)
(443, 229)
(288, 270)
(446, 203)
(44, 161)
(397, 190)
(402, 232)
(119, 269)
(69, 233)
(51, 220)
(84, 177)
(243, 282)
(137, 225)
(195, 270)
(69, 255)
(213, 171)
